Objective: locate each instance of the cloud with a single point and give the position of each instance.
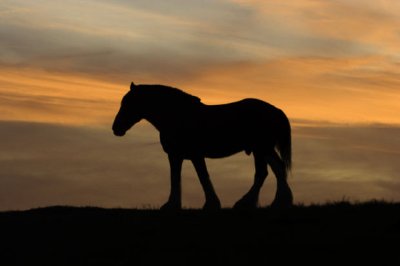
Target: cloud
(354, 161)
(351, 90)
(303, 56)
(356, 90)
(45, 164)
(120, 39)
(339, 21)
(178, 40)
(33, 95)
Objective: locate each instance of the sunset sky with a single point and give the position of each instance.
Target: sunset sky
(332, 66)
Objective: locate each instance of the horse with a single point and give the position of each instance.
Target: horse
(192, 130)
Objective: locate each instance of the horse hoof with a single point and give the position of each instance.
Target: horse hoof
(245, 205)
(282, 204)
(169, 206)
(212, 206)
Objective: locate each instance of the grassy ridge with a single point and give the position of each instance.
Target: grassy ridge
(96, 236)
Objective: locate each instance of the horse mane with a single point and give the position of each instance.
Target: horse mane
(171, 94)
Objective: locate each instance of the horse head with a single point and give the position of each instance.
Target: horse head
(129, 113)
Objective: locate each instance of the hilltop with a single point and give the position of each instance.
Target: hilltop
(62, 235)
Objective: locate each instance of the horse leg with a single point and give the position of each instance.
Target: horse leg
(212, 201)
(175, 200)
(283, 196)
(250, 199)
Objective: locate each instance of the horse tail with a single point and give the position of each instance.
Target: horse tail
(284, 142)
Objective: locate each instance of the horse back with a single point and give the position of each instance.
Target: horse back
(247, 114)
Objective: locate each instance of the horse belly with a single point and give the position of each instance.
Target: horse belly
(221, 146)
(246, 138)
(194, 145)
(221, 151)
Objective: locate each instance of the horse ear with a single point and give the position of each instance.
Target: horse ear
(132, 86)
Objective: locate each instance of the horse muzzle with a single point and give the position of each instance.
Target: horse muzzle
(119, 133)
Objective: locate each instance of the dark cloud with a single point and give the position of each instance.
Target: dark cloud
(44, 164)
(351, 161)
(47, 164)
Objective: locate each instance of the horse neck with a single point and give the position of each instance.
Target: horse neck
(157, 120)
(162, 117)
(166, 117)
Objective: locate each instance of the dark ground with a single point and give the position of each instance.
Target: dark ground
(338, 233)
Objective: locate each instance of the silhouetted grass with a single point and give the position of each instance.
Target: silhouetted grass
(95, 236)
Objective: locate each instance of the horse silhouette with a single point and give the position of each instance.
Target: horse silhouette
(191, 130)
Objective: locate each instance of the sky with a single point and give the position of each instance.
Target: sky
(332, 66)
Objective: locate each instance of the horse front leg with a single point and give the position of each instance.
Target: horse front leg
(175, 199)
(212, 200)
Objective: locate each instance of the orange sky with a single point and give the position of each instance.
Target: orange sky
(318, 60)
(319, 89)
(332, 66)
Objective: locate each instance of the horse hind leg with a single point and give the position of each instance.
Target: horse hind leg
(250, 199)
(283, 196)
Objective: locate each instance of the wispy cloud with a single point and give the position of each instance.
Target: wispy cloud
(123, 37)
(322, 60)
(33, 95)
(360, 89)
(369, 24)
(142, 37)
